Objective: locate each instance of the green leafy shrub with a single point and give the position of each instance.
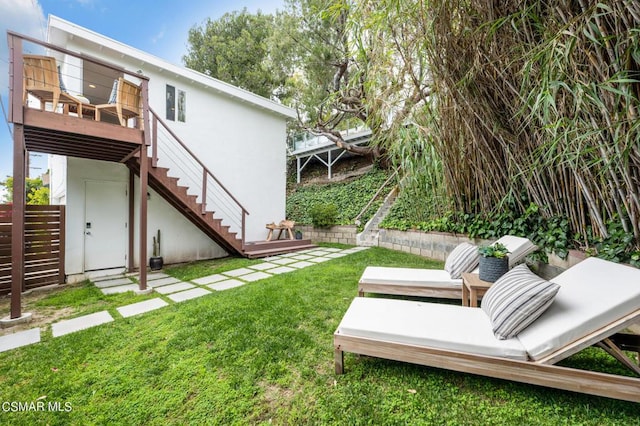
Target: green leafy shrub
(552, 234)
(497, 250)
(324, 215)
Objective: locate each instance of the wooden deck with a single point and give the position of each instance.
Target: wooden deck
(258, 249)
(53, 133)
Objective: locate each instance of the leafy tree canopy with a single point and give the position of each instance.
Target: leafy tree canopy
(36, 192)
(236, 49)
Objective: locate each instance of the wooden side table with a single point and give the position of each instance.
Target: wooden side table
(472, 288)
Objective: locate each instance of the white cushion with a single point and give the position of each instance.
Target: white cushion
(518, 247)
(592, 295)
(450, 327)
(516, 300)
(409, 277)
(463, 258)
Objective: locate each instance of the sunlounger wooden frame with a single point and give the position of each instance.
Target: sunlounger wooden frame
(541, 372)
(422, 288)
(410, 290)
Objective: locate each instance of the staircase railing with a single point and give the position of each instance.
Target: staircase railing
(375, 197)
(168, 149)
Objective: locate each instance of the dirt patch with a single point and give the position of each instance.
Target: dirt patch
(42, 316)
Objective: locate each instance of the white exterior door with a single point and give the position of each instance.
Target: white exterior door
(105, 225)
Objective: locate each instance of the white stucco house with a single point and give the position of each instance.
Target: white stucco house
(239, 137)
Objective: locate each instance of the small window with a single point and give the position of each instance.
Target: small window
(182, 106)
(171, 103)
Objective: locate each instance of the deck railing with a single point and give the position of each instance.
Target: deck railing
(71, 70)
(307, 140)
(168, 150)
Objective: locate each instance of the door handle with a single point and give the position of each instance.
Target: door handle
(88, 232)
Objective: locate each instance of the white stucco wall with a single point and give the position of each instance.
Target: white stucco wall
(58, 179)
(181, 240)
(238, 136)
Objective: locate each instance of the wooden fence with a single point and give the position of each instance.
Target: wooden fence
(44, 247)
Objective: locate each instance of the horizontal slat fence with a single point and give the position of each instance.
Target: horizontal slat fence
(44, 247)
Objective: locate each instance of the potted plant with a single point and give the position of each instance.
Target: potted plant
(494, 262)
(298, 234)
(156, 262)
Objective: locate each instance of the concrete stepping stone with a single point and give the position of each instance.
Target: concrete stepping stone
(331, 249)
(174, 288)
(163, 281)
(120, 289)
(271, 258)
(264, 266)
(189, 294)
(255, 276)
(19, 339)
(351, 250)
(156, 276)
(335, 255)
(302, 257)
(317, 252)
(300, 265)
(281, 270)
(319, 259)
(112, 282)
(210, 279)
(238, 272)
(289, 254)
(283, 261)
(141, 307)
(76, 324)
(225, 285)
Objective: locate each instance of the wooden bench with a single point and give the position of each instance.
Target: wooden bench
(282, 226)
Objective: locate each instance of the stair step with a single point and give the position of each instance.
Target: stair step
(177, 196)
(273, 244)
(253, 254)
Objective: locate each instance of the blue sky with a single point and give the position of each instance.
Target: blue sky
(159, 27)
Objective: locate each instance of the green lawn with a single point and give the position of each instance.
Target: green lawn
(262, 353)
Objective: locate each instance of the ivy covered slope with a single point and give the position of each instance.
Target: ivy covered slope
(349, 197)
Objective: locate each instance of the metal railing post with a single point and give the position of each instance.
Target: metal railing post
(204, 190)
(154, 143)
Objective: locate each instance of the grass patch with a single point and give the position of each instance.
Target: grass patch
(193, 270)
(55, 304)
(263, 353)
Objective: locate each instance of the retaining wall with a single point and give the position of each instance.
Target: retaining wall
(434, 245)
(344, 234)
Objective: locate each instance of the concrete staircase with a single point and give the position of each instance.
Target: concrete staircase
(369, 235)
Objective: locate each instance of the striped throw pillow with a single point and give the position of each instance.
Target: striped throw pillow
(517, 299)
(463, 258)
(63, 88)
(114, 93)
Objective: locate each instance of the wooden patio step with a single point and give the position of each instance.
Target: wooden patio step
(259, 249)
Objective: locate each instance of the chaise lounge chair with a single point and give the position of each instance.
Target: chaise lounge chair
(595, 300)
(431, 282)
